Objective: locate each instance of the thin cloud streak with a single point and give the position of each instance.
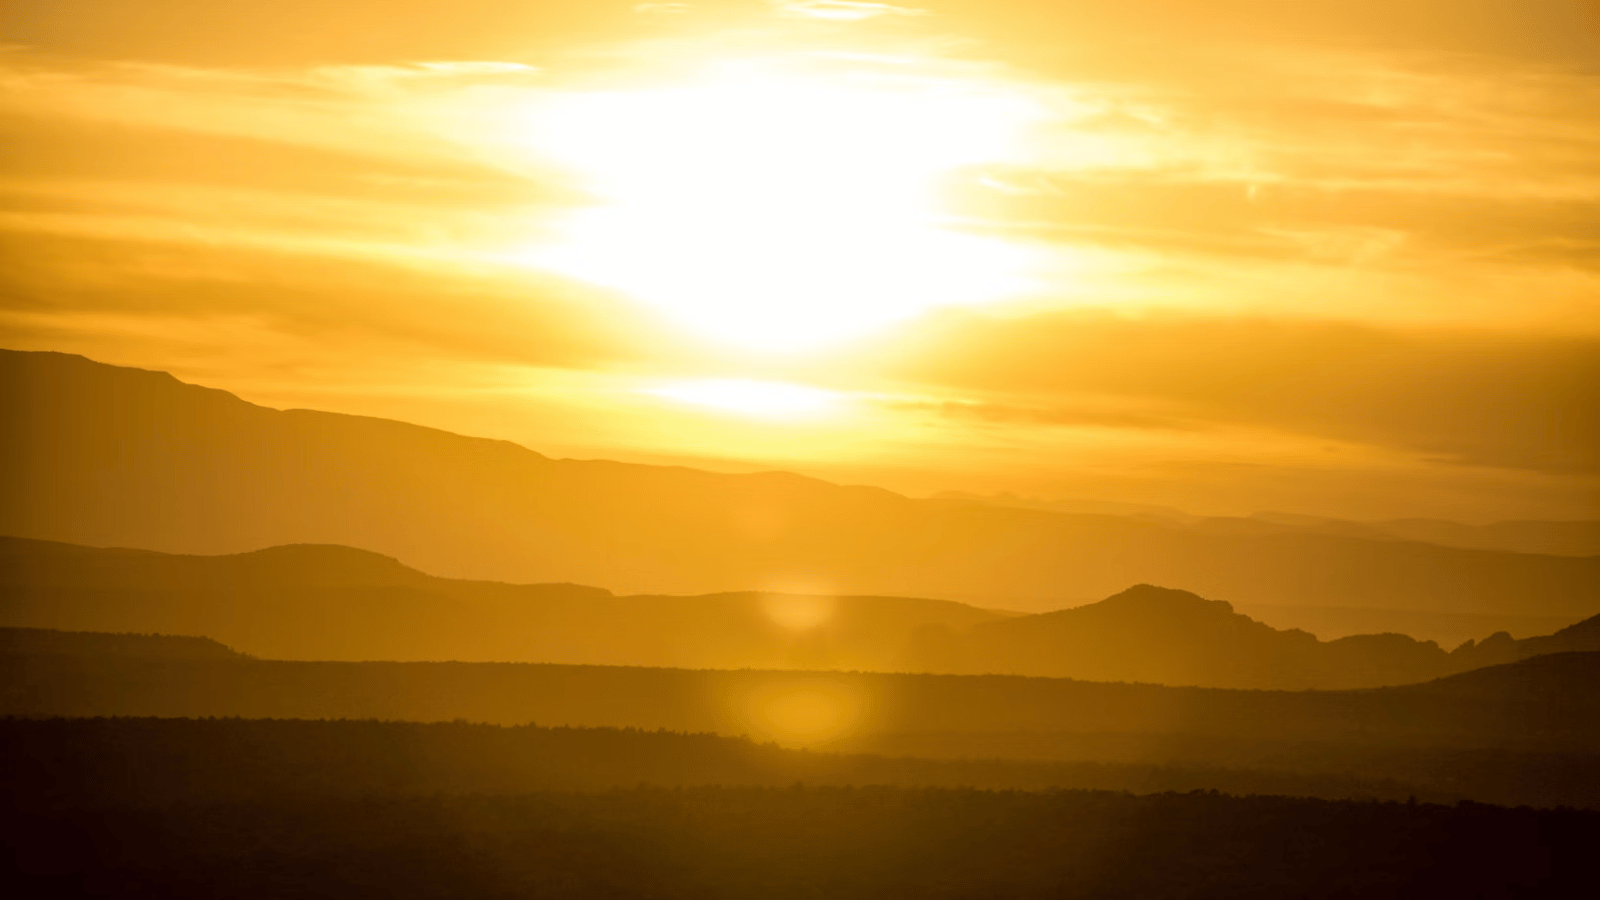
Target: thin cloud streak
(843, 10)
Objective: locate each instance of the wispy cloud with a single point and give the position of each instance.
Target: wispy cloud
(1345, 224)
(476, 67)
(1461, 397)
(843, 10)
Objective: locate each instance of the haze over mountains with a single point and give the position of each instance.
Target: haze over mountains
(1557, 538)
(1519, 733)
(1299, 272)
(105, 455)
(1546, 702)
(337, 603)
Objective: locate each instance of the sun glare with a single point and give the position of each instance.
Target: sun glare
(759, 399)
(800, 711)
(798, 612)
(779, 211)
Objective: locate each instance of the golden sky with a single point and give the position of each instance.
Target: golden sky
(1332, 257)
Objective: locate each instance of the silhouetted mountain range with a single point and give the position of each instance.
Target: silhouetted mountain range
(1526, 732)
(1550, 701)
(337, 603)
(114, 456)
(1164, 636)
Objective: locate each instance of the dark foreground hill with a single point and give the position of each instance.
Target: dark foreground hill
(47, 642)
(1545, 702)
(122, 761)
(114, 456)
(337, 603)
(1523, 733)
(207, 809)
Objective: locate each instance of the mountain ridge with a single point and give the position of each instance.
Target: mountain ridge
(113, 456)
(337, 603)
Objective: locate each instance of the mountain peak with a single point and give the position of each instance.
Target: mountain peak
(327, 564)
(1151, 598)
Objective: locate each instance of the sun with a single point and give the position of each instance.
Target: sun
(776, 211)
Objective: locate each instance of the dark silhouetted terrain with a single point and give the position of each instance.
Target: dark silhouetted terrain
(1445, 629)
(1164, 636)
(259, 809)
(113, 456)
(128, 760)
(1522, 733)
(336, 603)
(1554, 704)
(36, 641)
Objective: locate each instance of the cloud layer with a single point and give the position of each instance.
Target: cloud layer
(1251, 230)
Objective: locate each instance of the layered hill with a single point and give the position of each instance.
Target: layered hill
(1519, 733)
(1167, 636)
(1529, 728)
(1163, 636)
(50, 642)
(1550, 702)
(104, 455)
(337, 603)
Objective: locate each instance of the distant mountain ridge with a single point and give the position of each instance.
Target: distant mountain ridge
(338, 603)
(125, 457)
(1165, 636)
(1566, 538)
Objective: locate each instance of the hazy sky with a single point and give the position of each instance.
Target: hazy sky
(1332, 257)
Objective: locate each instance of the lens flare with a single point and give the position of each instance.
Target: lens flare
(802, 711)
(798, 612)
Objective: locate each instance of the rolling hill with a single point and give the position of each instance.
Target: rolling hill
(337, 603)
(105, 455)
(1520, 733)
(1551, 701)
